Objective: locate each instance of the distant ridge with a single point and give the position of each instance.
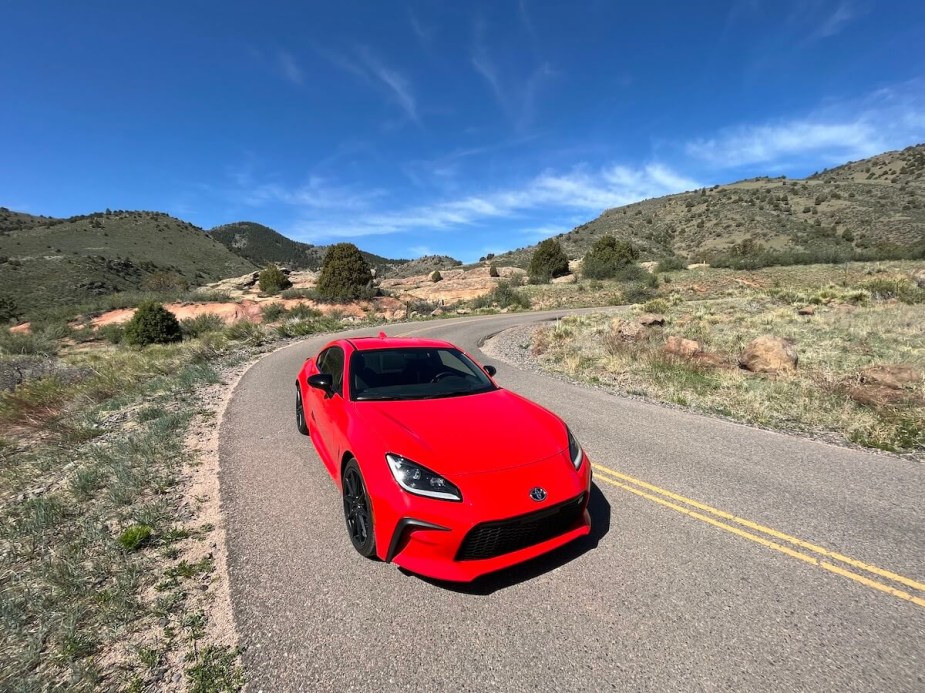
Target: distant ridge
(47, 262)
(260, 244)
(876, 205)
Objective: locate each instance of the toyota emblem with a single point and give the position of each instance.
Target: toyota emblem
(538, 494)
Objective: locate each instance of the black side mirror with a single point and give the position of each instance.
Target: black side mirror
(491, 370)
(322, 381)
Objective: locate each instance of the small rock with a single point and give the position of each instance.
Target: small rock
(437, 312)
(893, 376)
(769, 354)
(651, 320)
(806, 310)
(463, 311)
(679, 346)
(628, 331)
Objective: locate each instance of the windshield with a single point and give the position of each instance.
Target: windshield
(415, 373)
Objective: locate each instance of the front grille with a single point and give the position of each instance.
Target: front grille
(490, 539)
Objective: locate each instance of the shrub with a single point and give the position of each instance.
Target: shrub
(548, 261)
(436, 276)
(112, 333)
(656, 305)
(504, 295)
(272, 312)
(246, 331)
(165, 281)
(345, 274)
(152, 324)
(26, 343)
(8, 310)
(493, 270)
(670, 264)
(899, 288)
(134, 537)
(201, 324)
(607, 257)
(272, 280)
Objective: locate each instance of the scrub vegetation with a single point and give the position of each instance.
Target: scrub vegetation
(857, 330)
(104, 569)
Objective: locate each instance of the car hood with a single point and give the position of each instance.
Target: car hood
(463, 435)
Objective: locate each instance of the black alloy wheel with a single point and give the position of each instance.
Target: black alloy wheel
(358, 511)
(300, 422)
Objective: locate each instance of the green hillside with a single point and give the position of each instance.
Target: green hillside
(260, 244)
(45, 262)
(874, 207)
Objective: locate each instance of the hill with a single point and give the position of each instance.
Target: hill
(870, 208)
(47, 262)
(260, 244)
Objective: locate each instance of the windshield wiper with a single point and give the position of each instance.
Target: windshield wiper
(456, 393)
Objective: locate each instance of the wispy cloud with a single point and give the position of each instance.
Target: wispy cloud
(421, 250)
(755, 144)
(836, 21)
(316, 193)
(580, 189)
(517, 98)
(289, 68)
(889, 118)
(372, 70)
(424, 33)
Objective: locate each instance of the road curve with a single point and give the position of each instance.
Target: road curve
(695, 576)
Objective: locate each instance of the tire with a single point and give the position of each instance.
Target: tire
(300, 421)
(358, 511)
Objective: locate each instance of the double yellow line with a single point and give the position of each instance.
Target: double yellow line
(769, 538)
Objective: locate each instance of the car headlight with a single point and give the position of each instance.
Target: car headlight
(574, 450)
(420, 480)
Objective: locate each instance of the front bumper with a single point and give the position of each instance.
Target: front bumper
(497, 526)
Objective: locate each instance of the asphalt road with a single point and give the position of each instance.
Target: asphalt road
(694, 578)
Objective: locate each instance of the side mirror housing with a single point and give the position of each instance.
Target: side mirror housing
(321, 381)
(491, 370)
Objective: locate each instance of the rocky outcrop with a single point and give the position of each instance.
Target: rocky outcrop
(769, 354)
(679, 346)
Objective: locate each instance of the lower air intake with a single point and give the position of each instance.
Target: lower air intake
(490, 539)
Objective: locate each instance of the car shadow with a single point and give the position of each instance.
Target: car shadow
(599, 510)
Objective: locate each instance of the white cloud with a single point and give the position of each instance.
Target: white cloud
(371, 70)
(316, 193)
(887, 119)
(756, 144)
(289, 68)
(580, 189)
(836, 21)
(516, 97)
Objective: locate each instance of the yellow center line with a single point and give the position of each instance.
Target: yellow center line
(603, 475)
(831, 555)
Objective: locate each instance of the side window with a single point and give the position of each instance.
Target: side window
(331, 362)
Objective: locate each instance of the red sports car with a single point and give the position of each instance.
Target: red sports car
(442, 471)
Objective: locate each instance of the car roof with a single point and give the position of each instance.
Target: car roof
(382, 342)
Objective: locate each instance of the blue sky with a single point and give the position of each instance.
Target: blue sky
(425, 127)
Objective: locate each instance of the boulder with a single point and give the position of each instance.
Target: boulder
(651, 320)
(566, 279)
(628, 331)
(769, 354)
(679, 346)
(806, 310)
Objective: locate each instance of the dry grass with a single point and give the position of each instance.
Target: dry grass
(851, 329)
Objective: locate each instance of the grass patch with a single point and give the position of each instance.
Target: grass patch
(856, 324)
(89, 468)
